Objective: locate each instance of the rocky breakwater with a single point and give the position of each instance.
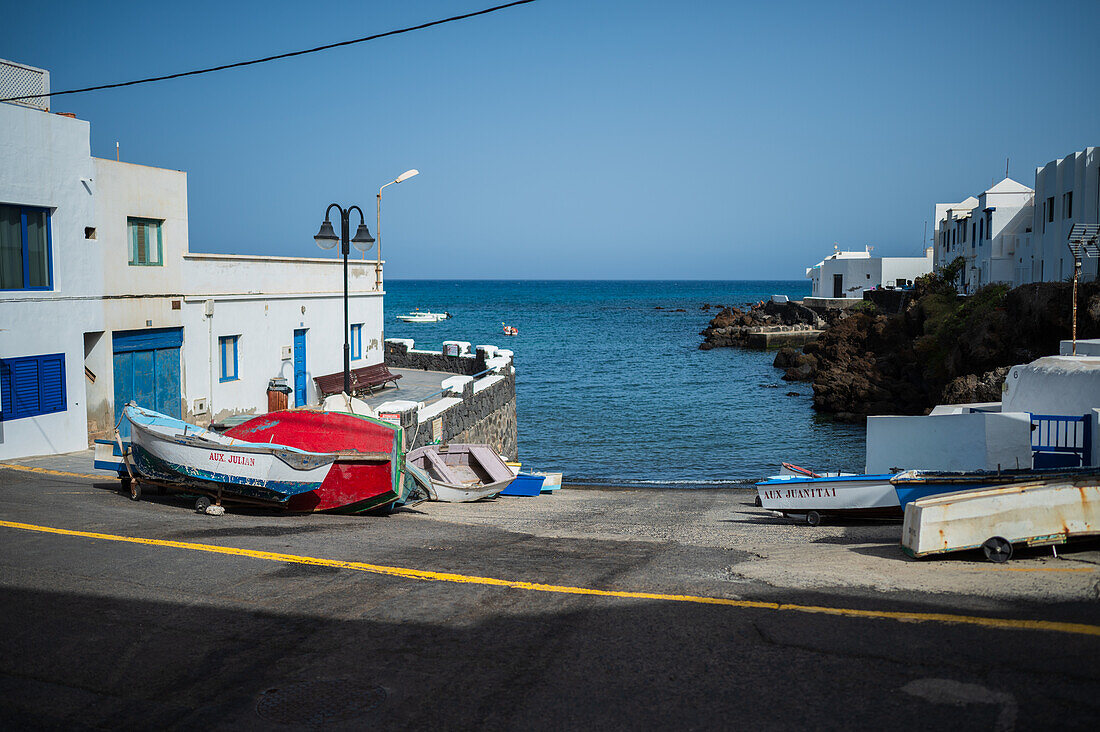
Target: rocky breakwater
(757, 325)
(942, 349)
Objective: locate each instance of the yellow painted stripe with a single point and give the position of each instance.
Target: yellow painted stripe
(46, 471)
(1040, 569)
(420, 574)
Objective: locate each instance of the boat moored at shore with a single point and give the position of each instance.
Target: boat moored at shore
(863, 496)
(168, 451)
(459, 473)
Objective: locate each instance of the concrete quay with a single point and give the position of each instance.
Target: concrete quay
(621, 608)
(781, 337)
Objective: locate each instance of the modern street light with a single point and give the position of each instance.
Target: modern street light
(326, 239)
(378, 225)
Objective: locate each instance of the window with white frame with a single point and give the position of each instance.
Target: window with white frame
(1067, 205)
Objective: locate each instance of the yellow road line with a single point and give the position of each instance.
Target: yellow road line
(419, 574)
(1040, 569)
(46, 471)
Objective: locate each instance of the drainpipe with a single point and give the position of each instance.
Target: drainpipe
(209, 312)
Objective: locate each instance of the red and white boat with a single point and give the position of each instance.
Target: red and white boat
(368, 471)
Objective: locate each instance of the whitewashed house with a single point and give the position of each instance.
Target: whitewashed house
(986, 231)
(102, 301)
(845, 274)
(1067, 192)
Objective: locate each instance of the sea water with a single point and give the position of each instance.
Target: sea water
(611, 387)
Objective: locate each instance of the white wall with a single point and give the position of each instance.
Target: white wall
(1063, 385)
(954, 442)
(265, 324)
(43, 158)
(1078, 172)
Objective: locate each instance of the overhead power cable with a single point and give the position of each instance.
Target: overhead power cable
(364, 39)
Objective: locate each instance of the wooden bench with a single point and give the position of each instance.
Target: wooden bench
(363, 379)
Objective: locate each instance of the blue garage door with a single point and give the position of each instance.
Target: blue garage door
(147, 371)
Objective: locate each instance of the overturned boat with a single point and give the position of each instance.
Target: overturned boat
(367, 471)
(168, 451)
(1043, 512)
(459, 473)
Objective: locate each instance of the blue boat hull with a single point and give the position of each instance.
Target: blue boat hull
(524, 485)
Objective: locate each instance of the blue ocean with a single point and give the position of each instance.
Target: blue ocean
(612, 387)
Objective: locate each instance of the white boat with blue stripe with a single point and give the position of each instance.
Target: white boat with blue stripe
(166, 450)
(813, 496)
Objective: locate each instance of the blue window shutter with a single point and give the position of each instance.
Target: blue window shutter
(5, 392)
(24, 382)
(51, 374)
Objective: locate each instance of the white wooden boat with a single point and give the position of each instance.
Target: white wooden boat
(864, 496)
(166, 450)
(423, 316)
(551, 482)
(460, 473)
(1041, 513)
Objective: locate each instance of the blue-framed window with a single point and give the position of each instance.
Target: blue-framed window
(356, 341)
(145, 242)
(26, 248)
(228, 347)
(32, 385)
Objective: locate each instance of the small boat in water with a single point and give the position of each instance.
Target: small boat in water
(168, 451)
(367, 474)
(860, 496)
(423, 316)
(459, 473)
(510, 330)
(1046, 512)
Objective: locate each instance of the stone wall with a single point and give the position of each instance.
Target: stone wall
(479, 411)
(398, 354)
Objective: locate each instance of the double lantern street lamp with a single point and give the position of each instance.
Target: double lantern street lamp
(326, 239)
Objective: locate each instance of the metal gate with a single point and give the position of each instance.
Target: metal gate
(147, 371)
(1058, 441)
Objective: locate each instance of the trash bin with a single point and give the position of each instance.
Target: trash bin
(277, 391)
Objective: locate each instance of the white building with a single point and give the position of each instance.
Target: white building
(102, 301)
(1067, 192)
(848, 274)
(986, 232)
(1014, 234)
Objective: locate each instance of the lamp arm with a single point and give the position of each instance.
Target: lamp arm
(353, 207)
(337, 207)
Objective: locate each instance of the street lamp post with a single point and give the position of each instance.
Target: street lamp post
(378, 225)
(326, 239)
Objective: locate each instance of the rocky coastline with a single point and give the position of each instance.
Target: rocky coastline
(941, 348)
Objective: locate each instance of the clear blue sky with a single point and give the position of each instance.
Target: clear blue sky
(579, 139)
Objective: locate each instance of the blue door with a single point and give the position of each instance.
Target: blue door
(147, 371)
(300, 367)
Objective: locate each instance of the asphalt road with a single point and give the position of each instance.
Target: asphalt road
(100, 632)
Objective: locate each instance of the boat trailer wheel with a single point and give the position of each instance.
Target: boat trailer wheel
(997, 549)
(813, 518)
(202, 503)
(135, 490)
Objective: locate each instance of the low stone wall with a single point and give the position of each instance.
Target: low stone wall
(400, 354)
(480, 411)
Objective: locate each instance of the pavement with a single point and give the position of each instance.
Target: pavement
(415, 385)
(591, 607)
